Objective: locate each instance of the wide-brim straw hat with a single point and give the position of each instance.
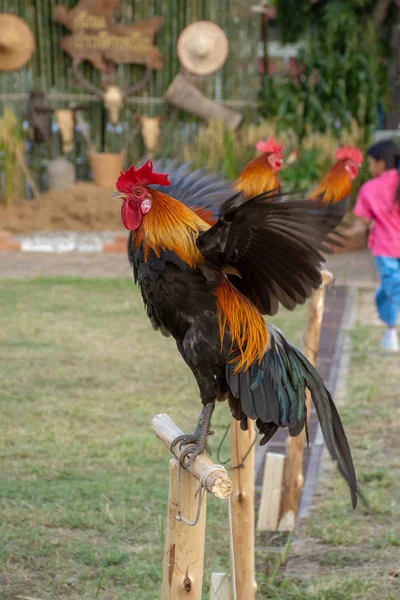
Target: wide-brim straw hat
(17, 43)
(202, 48)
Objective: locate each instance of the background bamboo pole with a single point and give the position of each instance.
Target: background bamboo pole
(293, 473)
(183, 560)
(243, 509)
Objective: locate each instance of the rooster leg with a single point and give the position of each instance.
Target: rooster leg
(197, 442)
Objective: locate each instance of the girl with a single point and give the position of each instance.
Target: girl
(378, 204)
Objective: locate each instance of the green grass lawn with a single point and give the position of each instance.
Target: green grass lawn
(83, 481)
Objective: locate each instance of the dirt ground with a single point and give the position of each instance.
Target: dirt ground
(83, 207)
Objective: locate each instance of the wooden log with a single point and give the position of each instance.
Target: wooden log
(220, 587)
(293, 474)
(270, 504)
(243, 509)
(183, 560)
(217, 483)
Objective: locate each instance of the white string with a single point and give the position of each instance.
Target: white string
(202, 483)
(232, 549)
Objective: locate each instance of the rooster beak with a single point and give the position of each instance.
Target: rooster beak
(120, 195)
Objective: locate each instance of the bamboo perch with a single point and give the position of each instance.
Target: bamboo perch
(217, 483)
(183, 560)
(293, 474)
(243, 509)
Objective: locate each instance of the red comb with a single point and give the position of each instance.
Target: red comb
(349, 153)
(270, 145)
(144, 176)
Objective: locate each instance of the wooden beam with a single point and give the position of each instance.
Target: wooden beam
(270, 504)
(243, 509)
(293, 474)
(183, 560)
(217, 483)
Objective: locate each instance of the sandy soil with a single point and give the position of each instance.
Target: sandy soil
(83, 207)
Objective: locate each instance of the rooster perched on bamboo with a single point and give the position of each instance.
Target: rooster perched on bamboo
(183, 267)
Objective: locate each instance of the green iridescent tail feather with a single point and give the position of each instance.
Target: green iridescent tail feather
(274, 392)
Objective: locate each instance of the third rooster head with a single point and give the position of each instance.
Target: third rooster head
(132, 186)
(352, 158)
(273, 149)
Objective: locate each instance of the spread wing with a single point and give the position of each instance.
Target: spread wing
(276, 247)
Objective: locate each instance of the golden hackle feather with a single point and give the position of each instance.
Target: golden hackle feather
(248, 330)
(258, 176)
(335, 186)
(170, 225)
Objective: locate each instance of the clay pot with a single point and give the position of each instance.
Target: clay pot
(106, 167)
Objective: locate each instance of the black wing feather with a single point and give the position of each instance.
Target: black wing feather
(277, 247)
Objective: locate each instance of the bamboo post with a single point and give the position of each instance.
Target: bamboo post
(243, 509)
(293, 473)
(183, 560)
(270, 504)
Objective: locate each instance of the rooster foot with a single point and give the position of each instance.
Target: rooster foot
(195, 443)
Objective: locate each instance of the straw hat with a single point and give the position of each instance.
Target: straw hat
(202, 48)
(16, 42)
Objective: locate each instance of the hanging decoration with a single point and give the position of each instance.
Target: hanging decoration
(17, 43)
(202, 49)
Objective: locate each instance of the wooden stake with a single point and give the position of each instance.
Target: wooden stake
(243, 509)
(270, 504)
(293, 474)
(184, 545)
(217, 483)
(220, 587)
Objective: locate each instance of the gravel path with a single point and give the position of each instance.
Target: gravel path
(355, 269)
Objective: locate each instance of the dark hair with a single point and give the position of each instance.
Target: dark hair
(389, 152)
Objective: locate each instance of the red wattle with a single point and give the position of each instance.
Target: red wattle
(131, 215)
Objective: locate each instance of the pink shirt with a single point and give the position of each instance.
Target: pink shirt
(375, 201)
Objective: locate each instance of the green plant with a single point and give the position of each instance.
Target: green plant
(11, 148)
(338, 76)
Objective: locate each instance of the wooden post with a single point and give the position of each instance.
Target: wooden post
(220, 587)
(243, 509)
(184, 545)
(270, 504)
(293, 474)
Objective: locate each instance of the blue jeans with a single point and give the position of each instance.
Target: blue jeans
(388, 294)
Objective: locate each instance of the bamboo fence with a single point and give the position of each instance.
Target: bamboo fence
(50, 71)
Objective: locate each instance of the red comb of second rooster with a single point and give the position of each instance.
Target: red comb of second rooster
(142, 176)
(349, 153)
(270, 145)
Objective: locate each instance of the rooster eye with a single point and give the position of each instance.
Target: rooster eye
(138, 192)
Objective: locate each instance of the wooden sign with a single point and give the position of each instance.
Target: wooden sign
(96, 38)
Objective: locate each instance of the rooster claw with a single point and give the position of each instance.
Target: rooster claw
(193, 444)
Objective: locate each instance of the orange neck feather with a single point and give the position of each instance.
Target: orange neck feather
(170, 225)
(258, 176)
(247, 327)
(335, 186)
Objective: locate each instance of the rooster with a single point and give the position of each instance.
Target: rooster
(183, 267)
(335, 186)
(262, 173)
